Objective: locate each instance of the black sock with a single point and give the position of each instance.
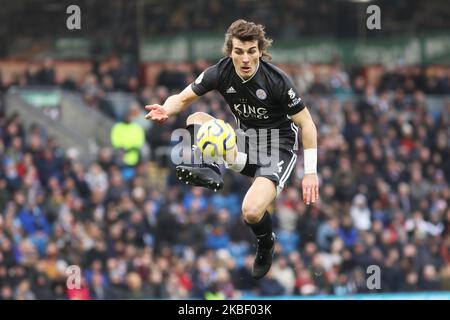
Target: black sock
(196, 157)
(263, 230)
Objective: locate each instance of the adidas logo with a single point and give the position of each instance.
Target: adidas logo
(231, 90)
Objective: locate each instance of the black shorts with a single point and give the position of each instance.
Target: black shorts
(277, 165)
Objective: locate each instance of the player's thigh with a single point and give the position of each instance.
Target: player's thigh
(258, 199)
(198, 118)
(280, 168)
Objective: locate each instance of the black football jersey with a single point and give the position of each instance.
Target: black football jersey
(264, 101)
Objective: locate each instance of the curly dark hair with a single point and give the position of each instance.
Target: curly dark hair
(247, 31)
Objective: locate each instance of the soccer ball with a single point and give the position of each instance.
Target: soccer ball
(215, 138)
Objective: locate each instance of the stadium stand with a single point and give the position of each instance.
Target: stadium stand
(136, 233)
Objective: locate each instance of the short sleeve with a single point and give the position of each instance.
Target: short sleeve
(207, 81)
(290, 99)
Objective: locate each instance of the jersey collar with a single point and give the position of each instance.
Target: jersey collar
(244, 81)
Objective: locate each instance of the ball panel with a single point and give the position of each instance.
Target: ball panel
(215, 138)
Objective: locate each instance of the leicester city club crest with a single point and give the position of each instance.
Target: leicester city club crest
(261, 94)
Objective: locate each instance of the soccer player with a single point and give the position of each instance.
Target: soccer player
(260, 96)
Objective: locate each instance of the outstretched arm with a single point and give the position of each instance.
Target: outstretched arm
(173, 105)
(310, 183)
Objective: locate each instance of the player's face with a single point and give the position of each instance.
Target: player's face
(245, 56)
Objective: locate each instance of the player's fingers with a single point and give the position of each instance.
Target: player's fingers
(313, 194)
(158, 118)
(307, 195)
(316, 189)
(155, 116)
(150, 115)
(152, 107)
(310, 200)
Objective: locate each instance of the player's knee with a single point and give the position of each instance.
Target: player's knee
(252, 212)
(198, 118)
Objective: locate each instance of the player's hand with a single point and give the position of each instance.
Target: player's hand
(310, 185)
(156, 113)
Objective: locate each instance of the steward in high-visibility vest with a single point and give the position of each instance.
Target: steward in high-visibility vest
(130, 137)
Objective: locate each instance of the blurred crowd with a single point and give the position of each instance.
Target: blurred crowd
(121, 74)
(384, 171)
(286, 19)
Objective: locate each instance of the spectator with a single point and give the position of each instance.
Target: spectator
(284, 274)
(269, 286)
(360, 213)
(326, 233)
(128, 138)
